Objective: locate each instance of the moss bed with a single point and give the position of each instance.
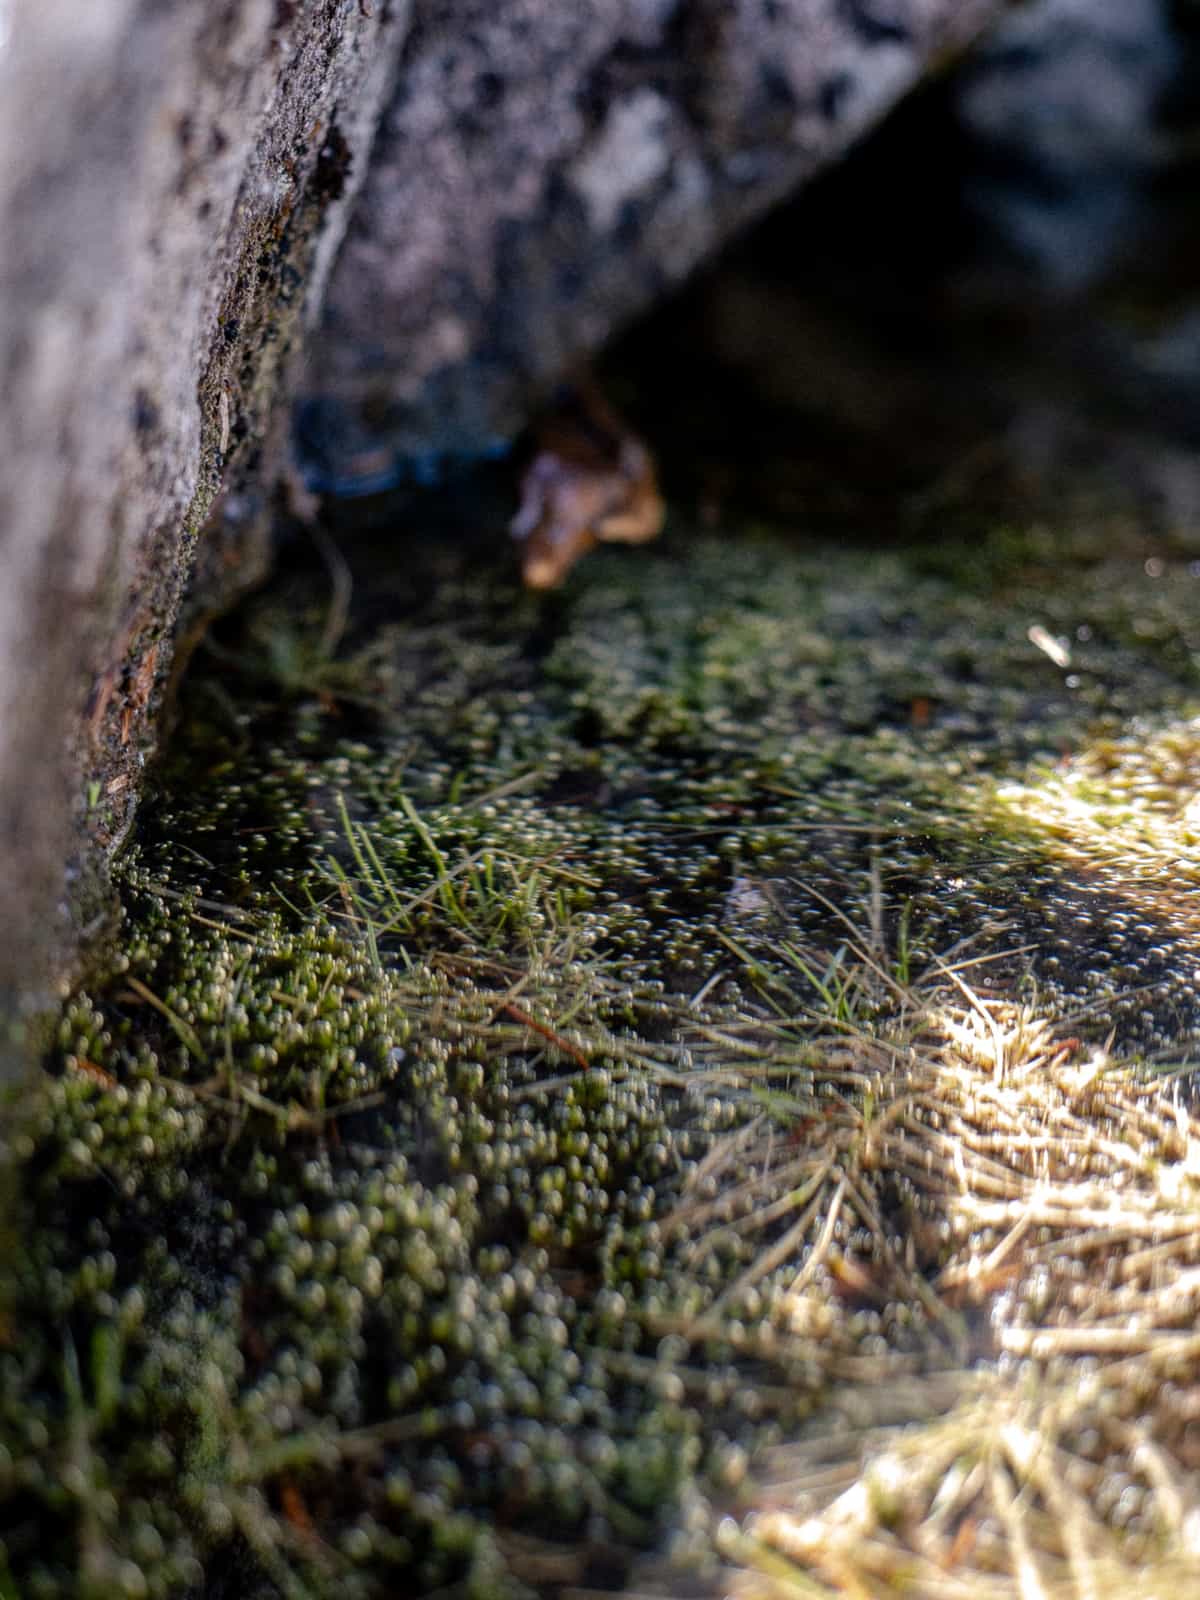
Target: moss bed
(680, 1085)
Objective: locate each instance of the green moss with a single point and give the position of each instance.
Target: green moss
(401, 1196)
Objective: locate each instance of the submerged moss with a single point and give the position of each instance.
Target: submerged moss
(509, 1117)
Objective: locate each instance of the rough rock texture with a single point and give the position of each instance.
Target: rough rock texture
(172, 177)
(545, 172)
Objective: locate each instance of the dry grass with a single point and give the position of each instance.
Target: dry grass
(1037, 1208)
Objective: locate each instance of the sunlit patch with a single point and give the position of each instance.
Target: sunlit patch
(1009, 1490)
(1053, 1205)
(1130, 801)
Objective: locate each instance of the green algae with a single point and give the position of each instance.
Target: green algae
(489, 1144)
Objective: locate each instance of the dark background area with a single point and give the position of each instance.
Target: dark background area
(992, 300)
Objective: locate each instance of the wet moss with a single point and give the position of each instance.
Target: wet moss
(488, 1142)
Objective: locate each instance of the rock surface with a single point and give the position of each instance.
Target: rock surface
(172, 179)
(544, 174)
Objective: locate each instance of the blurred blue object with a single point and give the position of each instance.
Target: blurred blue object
(339, 454)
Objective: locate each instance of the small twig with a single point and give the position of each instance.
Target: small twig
(556, 1039)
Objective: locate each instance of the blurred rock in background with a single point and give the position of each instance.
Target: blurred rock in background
(544, 174)
(997, 294)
